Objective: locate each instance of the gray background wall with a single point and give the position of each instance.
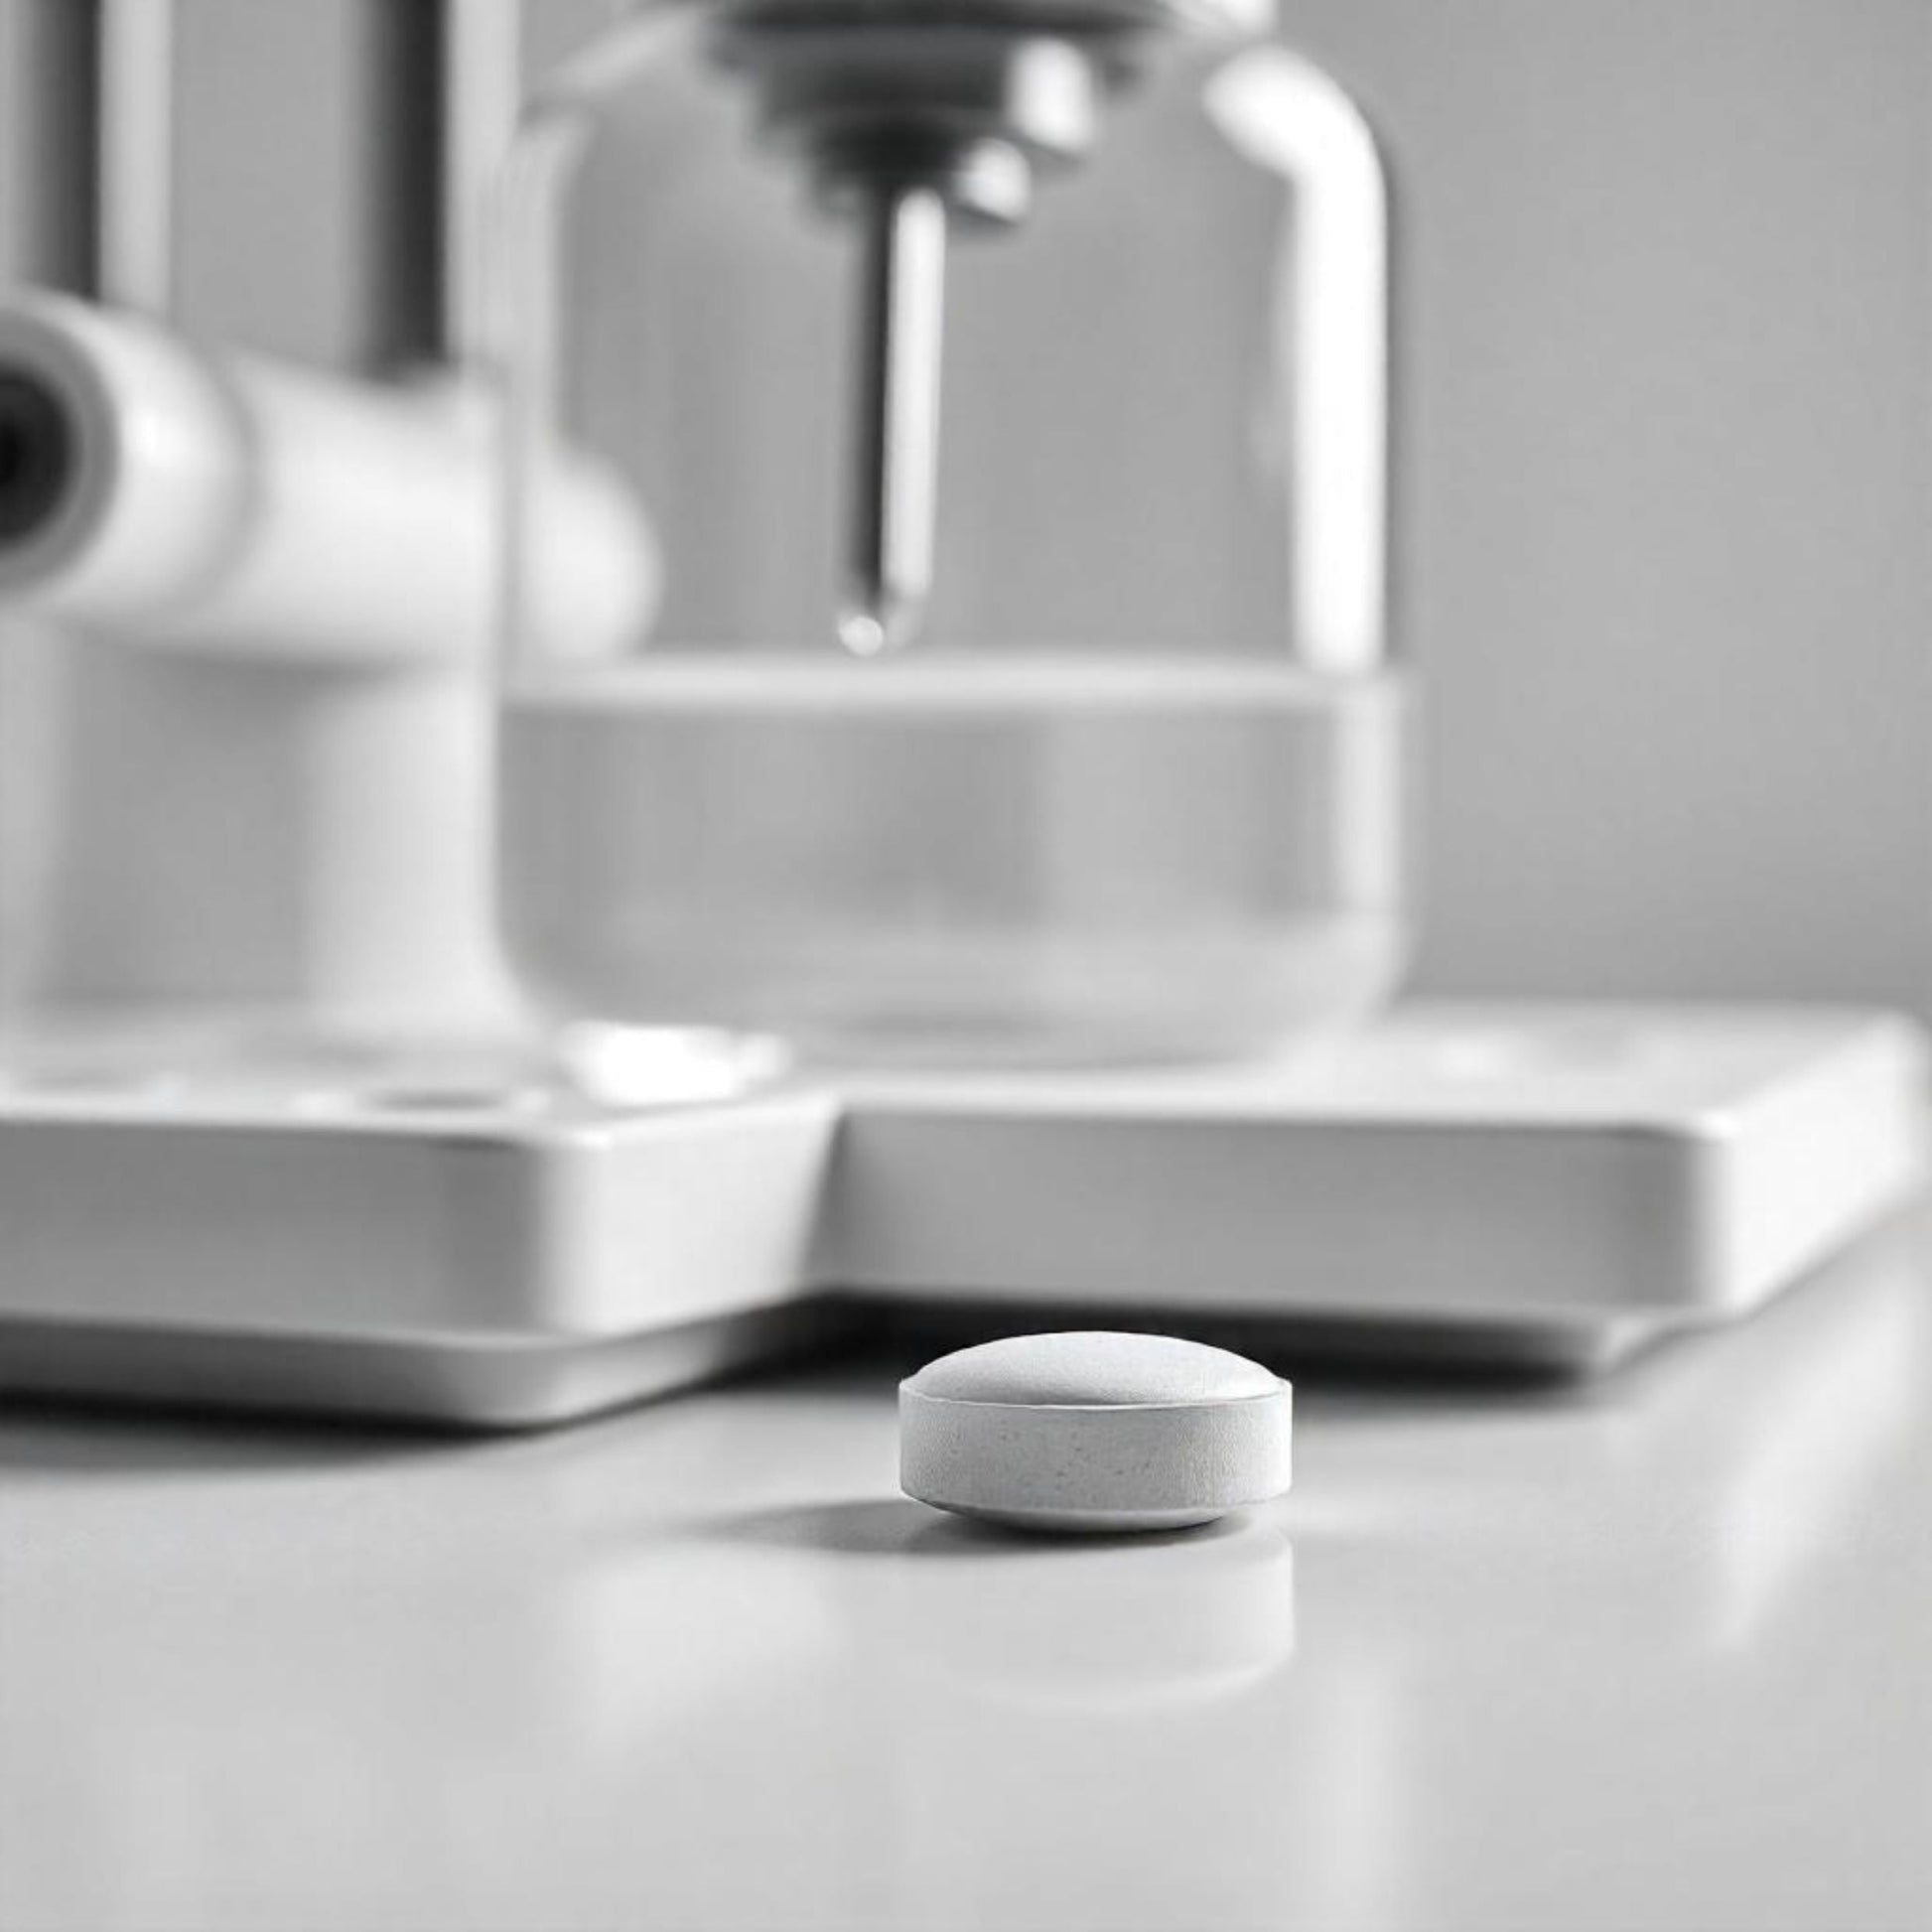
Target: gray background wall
(1667, 481)
(1666, 462)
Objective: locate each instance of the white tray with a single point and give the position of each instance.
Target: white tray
(1554, 1185)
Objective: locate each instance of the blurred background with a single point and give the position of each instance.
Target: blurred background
(1664, 367)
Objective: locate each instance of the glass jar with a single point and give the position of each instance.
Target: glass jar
(985, 405)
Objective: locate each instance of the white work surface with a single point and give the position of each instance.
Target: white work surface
(1654, 1652)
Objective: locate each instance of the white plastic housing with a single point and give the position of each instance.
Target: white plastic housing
(219, 504)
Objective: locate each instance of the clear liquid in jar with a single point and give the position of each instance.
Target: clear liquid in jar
(949, 860)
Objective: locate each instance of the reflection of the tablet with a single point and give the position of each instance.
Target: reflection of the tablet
(1035, 1711)
(701, 1665)
(1119, 1626)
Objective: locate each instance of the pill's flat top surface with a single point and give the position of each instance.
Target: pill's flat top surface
(1093, 1369)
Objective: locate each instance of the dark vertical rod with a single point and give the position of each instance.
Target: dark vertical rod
(50, 150)
(404, 45)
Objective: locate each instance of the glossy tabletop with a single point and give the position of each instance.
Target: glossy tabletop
(1651, 1652)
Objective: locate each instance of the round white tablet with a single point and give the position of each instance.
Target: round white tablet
(1094, 1431)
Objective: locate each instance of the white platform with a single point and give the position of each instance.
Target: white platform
(1557, 1185)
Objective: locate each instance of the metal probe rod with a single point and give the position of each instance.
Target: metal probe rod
(896, 447)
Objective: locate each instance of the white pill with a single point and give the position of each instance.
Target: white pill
(1094, 1431)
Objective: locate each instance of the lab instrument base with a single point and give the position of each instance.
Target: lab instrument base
(1546, 1187)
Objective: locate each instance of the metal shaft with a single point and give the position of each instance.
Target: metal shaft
(896, 445)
